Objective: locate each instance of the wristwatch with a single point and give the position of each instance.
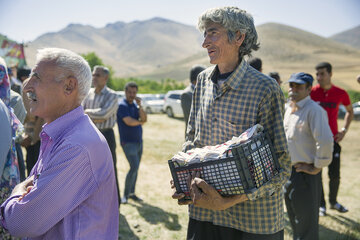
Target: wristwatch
(344, 130)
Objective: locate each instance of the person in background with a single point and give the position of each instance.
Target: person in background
(5, 136)
(5, 140)
(256, 63)
(310, 145)
(186, 96)
(16, 84)
(9, 167)
(23, 74)
(31, 139)
(229, 98)
(130, 118)
(16, 103)
(276, 76)
(101, 105)
(71, 191)
(330, 97)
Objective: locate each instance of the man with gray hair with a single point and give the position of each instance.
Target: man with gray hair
(229, 98)
(101, 105)
(71, 191)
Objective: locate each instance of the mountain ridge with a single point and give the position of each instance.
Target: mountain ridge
(159, 48)
(350, 37)
(130, 48)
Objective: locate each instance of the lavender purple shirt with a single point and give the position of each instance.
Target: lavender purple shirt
(74, 194)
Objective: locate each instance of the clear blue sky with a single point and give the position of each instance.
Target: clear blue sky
(24, 20)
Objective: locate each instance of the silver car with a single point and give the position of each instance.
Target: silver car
(172, 104)
(356, 109)
(152, 103)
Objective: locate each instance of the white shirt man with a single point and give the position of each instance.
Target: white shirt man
(310, 145)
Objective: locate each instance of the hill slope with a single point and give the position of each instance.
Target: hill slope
(350, 37)
(287, 50)
(129, 48)
(159, 48)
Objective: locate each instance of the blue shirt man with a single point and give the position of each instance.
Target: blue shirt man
(130, 117)
(128, 134)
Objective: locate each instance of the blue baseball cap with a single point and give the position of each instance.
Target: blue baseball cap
(301, 78)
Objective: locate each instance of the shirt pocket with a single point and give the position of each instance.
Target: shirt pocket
(229, 129)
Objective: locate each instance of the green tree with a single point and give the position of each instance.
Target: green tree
(145, 85)
(94, 60)
(354, 95)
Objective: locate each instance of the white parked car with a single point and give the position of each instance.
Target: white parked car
(121, 95)
(152, 103)
(172, 104)
(356, 109)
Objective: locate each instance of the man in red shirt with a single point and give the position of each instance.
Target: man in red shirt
(330, 97)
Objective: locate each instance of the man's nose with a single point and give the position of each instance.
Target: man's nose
(27, 84)
(206, 42)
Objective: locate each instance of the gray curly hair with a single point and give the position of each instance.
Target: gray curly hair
(233, 19)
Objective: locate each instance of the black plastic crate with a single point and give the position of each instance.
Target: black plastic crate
(253, 164)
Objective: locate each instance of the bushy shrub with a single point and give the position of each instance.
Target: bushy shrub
(146, 85)
(354, 95)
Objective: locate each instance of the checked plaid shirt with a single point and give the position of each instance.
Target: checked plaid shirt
(246, 98)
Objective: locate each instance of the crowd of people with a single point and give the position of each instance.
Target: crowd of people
(71, 190)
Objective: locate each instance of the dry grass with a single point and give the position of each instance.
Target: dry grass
(159, 217)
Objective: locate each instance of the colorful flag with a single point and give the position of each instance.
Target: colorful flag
(12, 52)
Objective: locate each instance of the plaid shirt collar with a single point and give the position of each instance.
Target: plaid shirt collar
(235, 79)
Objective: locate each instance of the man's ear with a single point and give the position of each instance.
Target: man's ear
(239, 38)
(308, 89)
(70, 85)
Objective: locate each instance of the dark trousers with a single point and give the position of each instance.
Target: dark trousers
(334, 177)
(32, 155)
(110, 138)
(20, 157)
(133, 152)
(302, 199)
(199, 230)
